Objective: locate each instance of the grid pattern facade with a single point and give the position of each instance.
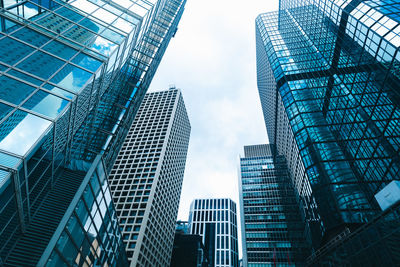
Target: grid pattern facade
(215, 220)
(146, 179)
(273, 229)
(333, 67)
(72, 76)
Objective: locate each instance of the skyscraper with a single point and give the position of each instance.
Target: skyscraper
(72, 76)
(146, 180)
(215, 220)
(327, 76)
(272, 227)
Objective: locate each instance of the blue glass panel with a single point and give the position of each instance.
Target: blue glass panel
(112, 35)
(66, 247)
(4, 110)
(14, 91)
(46, 104)
(31, 37)
(8, 3)
(12, 51)
(55, 260)
(30, 10)
(58, 91)
(2, 67)
(79, 35)
(9, 161)
(9, 26)
(60, 50)
(25, 77)
(20, 131)
(3, 178)
(87, 62)
(41, 64)
(50, 4)
(70, 14)
(92, 25)
(103, 46)
(71, 78)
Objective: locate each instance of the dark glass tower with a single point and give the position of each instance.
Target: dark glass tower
(328, 77)
(72, 76)
(272, 227)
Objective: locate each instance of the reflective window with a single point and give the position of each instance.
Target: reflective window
(20, 131)
(46, 104)
(71, 77)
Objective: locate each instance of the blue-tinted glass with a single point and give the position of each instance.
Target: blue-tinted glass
(72, 78)
(2, 67)
(92, 24)
(30, 10)
(60, 50)
(25, 77)
(31, 37)
(76, 231)
(9, 26)
(12, 51)
(87, 62)
(79, 35)
(20, 131)
(59, 91)
(41, 64)
(8, 160)
(103, 46)
(4, 110)
(81, 210)
(14, 91)
(55, 260)
(66, 247)
(112, 35)
(46, 104)
(70, 14)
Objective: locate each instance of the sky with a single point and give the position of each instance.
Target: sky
(212, 59)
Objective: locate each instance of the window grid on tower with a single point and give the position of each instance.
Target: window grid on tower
(215, 220)
(146, 179)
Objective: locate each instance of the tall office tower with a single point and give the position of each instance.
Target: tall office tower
(72, 76)
(146, 179)
(272, 227)
(328, 73)
(215, 220)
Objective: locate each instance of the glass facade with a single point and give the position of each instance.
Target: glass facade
(374, 244)
(272, 227)
(91, 235)
(72, 76)
(327, 76)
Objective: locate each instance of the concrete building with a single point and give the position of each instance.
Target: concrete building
(215, 220)
(146, 180)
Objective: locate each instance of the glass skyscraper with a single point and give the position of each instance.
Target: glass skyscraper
(72, 76)
(328, 78)
(146, 180)
(272, 226)
(216, 221)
